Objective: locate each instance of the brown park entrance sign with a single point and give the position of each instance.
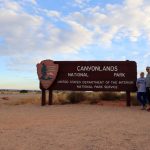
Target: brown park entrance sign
(87, 76)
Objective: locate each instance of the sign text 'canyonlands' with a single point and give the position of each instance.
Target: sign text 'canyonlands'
(87, 75)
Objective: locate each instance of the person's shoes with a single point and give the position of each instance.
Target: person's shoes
(143, 108)
(148, 109)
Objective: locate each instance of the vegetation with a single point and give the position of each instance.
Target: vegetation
(75, 97)
(110, 96)
(60, 98)
(134, 100)
(23, 91)
(67, 97)
(91, 97)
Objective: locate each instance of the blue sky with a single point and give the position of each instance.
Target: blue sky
(33, 30)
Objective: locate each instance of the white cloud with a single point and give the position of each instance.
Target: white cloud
(106, 38)
(27, 33)
(33, 2)
(135, 53)
(77, 37)
(130, 19)
(10, 6)
(81, 1)
(53, 13)
(147, 55)
(18, 30)
(133, 4)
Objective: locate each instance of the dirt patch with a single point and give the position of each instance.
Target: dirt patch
(74, 127)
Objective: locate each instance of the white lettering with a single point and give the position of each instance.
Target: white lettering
(122, 75)
(77, 75)
(97, 68)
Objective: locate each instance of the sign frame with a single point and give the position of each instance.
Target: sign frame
(127, 65)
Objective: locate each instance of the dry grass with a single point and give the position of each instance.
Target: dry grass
(134, 100)
(61, 97)
(86, 97)
(24, 101)
(8, 92)
(16, 98)
(92, 97)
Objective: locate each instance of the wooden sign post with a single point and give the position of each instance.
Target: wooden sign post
(50, 97)
(128, 98)
(87, 76)
(43, 102)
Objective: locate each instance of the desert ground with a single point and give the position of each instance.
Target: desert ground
(29, 126)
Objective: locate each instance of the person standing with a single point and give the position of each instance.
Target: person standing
(141, 93)
(148, 85)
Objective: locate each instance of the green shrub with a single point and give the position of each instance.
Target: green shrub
(23, 91)
(110, 96)
(75, 97)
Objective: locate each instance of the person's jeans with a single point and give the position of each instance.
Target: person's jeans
(141, 96)
(148, 94)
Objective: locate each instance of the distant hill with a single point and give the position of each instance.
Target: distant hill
(17, 90)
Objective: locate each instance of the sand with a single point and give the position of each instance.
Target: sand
(73, 127)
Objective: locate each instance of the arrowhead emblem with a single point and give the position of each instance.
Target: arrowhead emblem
(47, 71)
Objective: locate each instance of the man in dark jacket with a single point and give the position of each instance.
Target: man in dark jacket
(148, 85)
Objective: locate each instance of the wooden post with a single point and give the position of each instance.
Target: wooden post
(128, 98)
(43, 100)
(50, 97)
